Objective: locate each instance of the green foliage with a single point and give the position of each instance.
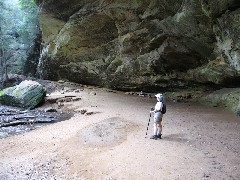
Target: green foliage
(2, 92)
(19, 27)
(27, 4)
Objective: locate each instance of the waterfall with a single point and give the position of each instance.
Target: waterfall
(43, 56)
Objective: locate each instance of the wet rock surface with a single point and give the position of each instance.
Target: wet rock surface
(16, 121)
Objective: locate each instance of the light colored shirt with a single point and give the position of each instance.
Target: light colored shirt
(158, 106)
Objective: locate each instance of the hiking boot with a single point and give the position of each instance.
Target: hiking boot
(154, 137)
(159, 136)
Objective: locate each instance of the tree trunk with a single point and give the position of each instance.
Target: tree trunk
(5, 72)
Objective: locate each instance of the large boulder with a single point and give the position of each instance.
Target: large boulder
(28, 94)
(141, 43)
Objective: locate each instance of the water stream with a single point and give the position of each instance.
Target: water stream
(28, 120)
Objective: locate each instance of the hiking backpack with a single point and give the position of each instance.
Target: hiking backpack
(164, 108)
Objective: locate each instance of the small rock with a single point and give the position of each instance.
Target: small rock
(50, 110)
(89, 113)
(61, 81)
(76, 99)
(60, 100)
(93, 93)
(68, 99)
(83, 111)
(77, 91)
(129, 93)
(206, 175)
(60, 104)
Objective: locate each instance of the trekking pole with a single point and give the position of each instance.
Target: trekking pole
(149, 122)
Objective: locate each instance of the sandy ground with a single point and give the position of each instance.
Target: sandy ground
(109, 142)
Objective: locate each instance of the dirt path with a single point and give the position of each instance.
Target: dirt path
(108, 142)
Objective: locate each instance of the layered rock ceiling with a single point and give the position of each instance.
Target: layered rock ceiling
(141, 44)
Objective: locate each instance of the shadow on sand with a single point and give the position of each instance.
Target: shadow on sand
(175, 138)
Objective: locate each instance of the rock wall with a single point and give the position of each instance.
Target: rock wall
(141, 44)
(228, 98)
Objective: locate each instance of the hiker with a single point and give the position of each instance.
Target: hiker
(157, 125)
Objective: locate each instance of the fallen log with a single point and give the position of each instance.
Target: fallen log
(10, 113)
(24, 117)
(16, 123)
(67, 96)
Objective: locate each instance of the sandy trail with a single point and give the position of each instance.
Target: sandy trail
(198, 143)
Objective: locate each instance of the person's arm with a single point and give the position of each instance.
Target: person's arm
(157, 108)
(153, 111)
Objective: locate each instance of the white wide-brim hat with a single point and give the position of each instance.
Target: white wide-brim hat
(158, 95)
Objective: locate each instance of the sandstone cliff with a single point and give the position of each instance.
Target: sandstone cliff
(143, 44)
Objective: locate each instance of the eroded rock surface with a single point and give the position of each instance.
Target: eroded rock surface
(228, 98)
(141, 44)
